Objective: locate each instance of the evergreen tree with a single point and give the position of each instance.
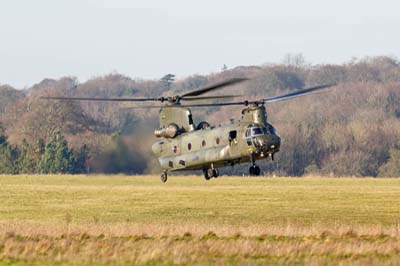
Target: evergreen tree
(38, 152)
(3, 138)
(81, 160)
(64, 161)
(57, 158)
(46, 163)
(167, 81)
(27, 159)
(8, 157)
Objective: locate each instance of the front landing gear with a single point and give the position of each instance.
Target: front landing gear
(254, 170)
(210, 173)
(164, 177)
(215, 173)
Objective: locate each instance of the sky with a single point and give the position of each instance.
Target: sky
(150, 38)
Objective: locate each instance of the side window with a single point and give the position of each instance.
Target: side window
(232, 135)
(190, 119)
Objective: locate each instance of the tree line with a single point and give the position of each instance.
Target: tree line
(53, 157)
(352, 130)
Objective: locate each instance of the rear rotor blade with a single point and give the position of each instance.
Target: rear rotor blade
(102, 99)
(297, 93)
(214, 87)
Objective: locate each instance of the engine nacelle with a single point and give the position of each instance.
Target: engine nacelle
(171, 131)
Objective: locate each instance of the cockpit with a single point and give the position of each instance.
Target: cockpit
(257, 130)
(263, 137)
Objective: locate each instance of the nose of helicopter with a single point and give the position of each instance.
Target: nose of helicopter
(269, 143)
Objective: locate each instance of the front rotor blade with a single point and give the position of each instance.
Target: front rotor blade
(214, 87)
(190, 105)
(102, 99)
(209, 97)
(297, 93)
(216, 104)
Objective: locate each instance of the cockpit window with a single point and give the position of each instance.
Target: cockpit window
(265, 130)
(271, 129)
(257, 131)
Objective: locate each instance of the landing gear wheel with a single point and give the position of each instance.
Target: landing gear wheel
(254, 170)
(215, 173)
(164, 177)
(208, 174)
(257, 170)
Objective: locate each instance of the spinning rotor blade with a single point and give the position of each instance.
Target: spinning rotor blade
(297, 93)
(268, 100)
(161, 99)
(217, 104)
(210, 97)
(102, 99)
(214, 87)
(187, 105)
(144, 107)
(191, 96)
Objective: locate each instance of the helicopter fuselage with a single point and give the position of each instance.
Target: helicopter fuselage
(249, 139)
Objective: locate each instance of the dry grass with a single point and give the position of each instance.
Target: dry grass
(122, 220)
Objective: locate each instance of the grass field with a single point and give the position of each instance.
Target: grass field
(137, 220)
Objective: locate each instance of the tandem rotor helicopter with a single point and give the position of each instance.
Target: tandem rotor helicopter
(183, 145)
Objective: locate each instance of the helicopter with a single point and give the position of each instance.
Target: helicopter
(183, 145)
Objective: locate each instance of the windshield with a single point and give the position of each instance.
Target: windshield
(257, 131)
(271, 129)
(253, 130)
